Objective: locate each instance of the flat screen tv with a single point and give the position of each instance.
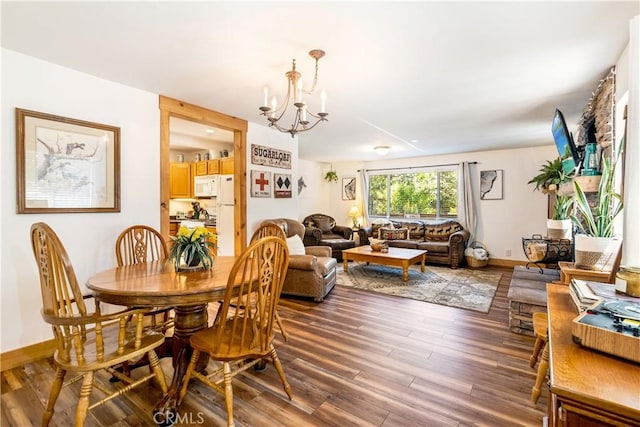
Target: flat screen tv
(564, 143)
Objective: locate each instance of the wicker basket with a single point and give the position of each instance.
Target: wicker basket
(477, 263)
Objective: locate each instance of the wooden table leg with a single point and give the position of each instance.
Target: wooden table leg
(422, 261)
(405, 271)
(345, 264)
(188, 320)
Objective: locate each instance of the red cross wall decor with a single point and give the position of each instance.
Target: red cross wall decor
(260, 183)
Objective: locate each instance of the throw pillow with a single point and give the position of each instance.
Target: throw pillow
(442, 231)
(324, 224)
(393, 234)
(295, 245)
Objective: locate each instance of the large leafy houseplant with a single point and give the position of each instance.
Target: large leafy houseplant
(192, 247)
(598, 221)
(597, 246)
(548, 181)
(551, 176)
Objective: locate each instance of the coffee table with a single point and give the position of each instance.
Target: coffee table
(398, 257)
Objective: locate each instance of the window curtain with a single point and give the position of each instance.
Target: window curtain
(466, 203)
(364, 197)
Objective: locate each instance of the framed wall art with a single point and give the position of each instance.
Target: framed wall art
(283, 185)
(66, 165)
(260, 183)
(491, 184)
(349, 188)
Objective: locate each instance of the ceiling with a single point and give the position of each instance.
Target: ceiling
(204, 135)
(421, 77)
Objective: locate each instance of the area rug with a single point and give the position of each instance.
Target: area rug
(463, 288)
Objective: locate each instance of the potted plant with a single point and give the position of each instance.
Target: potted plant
(594, 248)
(191, 249)
(331, 176)
(559, 225)
(551, 176)
(549, 180)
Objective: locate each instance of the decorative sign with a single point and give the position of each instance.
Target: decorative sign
(283, 186)
(260, 184)
(261, 155)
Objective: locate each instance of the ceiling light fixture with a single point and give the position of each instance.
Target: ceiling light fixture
(382, 150)
(301, 123)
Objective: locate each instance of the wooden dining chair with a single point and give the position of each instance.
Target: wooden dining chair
(242, 338)
(87, 342)
(139, 244)
(267, 230)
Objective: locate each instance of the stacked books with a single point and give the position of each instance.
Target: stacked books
(582, 295)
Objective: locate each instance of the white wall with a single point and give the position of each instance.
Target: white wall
(259, 208)
(89, 238)
(316, 196)
(501, 223)
(629, 66)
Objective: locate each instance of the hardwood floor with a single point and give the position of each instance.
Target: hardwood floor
(358, 358)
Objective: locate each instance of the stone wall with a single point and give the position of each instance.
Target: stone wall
(600, 107)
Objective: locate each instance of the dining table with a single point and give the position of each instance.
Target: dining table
(158, 284)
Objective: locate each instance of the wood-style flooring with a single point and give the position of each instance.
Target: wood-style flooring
(356, 359)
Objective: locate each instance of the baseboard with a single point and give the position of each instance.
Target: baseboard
(20, 356)
(497, 262)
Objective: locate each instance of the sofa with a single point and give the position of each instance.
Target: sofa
(322, 230)
(445, 240)
(312, 274)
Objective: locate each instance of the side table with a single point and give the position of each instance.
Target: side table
(569, 271)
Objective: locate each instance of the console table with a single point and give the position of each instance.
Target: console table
(587, 387)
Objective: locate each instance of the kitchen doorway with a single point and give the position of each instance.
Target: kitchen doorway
(171, 108)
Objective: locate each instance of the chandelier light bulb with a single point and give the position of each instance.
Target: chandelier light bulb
(323, 100)
(266, 96)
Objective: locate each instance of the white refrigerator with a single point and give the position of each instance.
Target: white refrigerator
(224, 215)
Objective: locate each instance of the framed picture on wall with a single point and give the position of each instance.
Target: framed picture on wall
(349, 188)
(283, 185)
(66, 165)
(491, 184)
(260, 183)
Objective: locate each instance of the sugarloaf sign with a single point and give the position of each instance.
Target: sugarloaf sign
(261, 155)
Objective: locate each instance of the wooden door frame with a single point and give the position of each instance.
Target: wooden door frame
(170, 107)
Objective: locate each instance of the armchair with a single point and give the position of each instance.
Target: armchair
(321, 230)
(312, 274)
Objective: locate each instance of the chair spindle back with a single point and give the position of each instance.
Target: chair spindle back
(255, 281)
(139, 244)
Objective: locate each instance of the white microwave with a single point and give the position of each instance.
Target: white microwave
(205, 186)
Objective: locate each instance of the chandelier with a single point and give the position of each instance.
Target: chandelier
(301, 120)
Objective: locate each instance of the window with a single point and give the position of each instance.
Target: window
(404, 194)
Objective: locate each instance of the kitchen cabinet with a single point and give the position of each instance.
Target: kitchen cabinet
(226, 166)
(213, 167)
(207, 167)
(201, 168)
(180, 181)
